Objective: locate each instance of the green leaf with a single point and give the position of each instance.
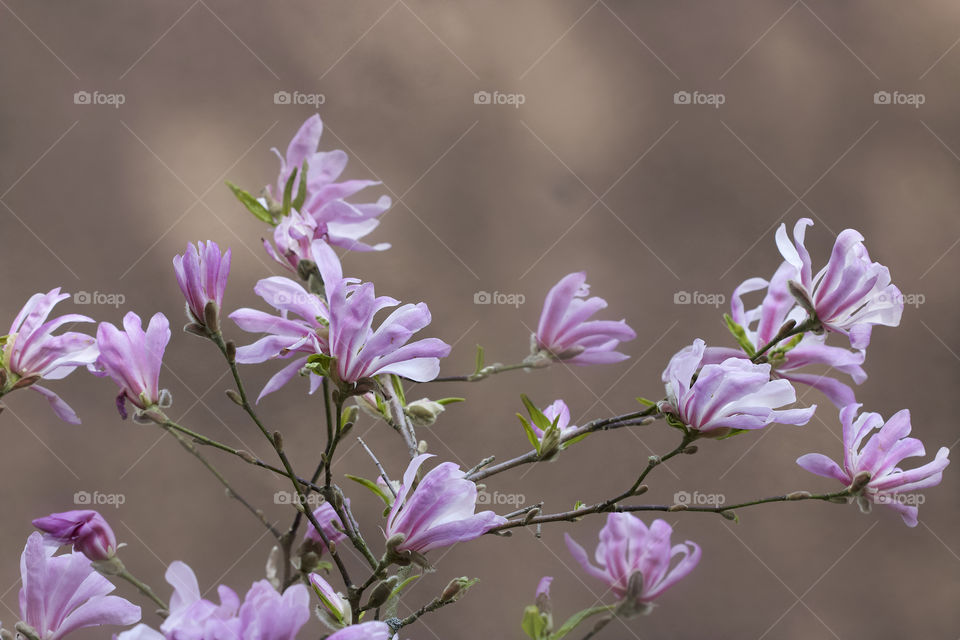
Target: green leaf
(531, 434)
(534, 624)
(480, 359)
(288, 193)
(301, 189)
(398, 389)
(733, 432)
(740, 335)
(536, 416)
(577, 618)
(445, 401)
(254, 207)
(319, 363)
(573, 441)
(645, 402)
(403, 585)
(374, 487)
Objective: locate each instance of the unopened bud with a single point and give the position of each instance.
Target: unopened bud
(799, 495)
(422, 447)
(423, 412)
(642, 489)
(382, 592)
(692, 449)
(231, 348)
(677, 507)
(533, 513)
(729, 515)
(277, 441)
(456, 588)
(233, 395)
(247, 456)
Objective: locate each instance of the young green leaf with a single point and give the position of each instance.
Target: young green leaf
(740, 335)
(252, 205)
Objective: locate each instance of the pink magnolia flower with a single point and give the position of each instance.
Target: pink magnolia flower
(202, 275)
(292, 239)
(761, 325)
(879, 454)
(439, 511)
(336, 609)
(565, 333)
(300, 330)
(326, 516)
(365, 631)
(735, 394)
(85, 530)
(264, 613)
(627, 547)
(132, 358)
(850, 294)
(337, 221)
(359, 351)
(61, 594)
(30, 352)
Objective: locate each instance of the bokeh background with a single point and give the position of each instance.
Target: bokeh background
(599, 169)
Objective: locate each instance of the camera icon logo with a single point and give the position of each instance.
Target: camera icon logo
(881, 97)
(281, 97)
(482, 97)
(682, 297)
(681, 97)
(82, 97)
(82, 497)
(82, 297)
(282, 497)
(482, 297)
(682, 497)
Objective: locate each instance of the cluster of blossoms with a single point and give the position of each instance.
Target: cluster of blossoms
(325, 327)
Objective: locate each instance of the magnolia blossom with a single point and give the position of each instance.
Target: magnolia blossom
(358, 350)
(438, 512)
(878, 455)
(628, 548)
(565, 333)
(61, 594)
(132, 358)
(735, 394)
(336, 608)
(299, 331)
(365, 631)
(761, 325)
(30, 352)
(85, 530)
(264, 613)
(202, 275)
(850, 294)
(326, 516)
(292, 239)
(337, 221)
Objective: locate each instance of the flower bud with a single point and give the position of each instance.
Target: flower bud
(86, 530)
(423, 412)
(382, 592)
(335, 610)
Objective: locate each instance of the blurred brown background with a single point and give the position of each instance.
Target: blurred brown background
(599, 169)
